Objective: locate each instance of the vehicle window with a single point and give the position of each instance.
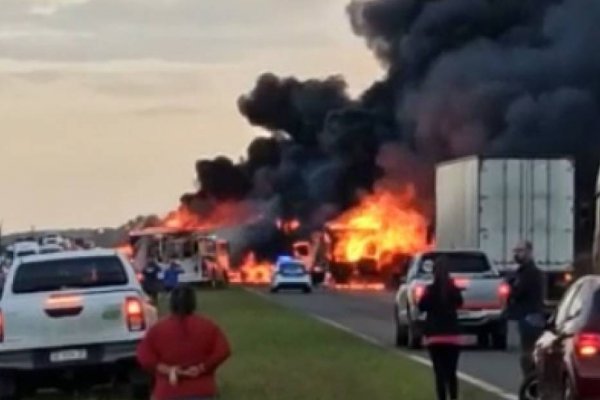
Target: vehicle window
(292, 268)
(223, 248)
(302, 251)
(26, 253)
(461, 263)
(44, 276)
(564, 306)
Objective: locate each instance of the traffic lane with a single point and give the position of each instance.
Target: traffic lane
(371, 314)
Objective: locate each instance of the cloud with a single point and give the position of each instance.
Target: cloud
(167, 109)
(176, 30)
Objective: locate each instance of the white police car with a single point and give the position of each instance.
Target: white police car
(290, 273)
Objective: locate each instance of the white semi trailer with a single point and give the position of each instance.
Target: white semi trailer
(490, 204)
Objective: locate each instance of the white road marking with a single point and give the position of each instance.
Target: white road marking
(478, 383)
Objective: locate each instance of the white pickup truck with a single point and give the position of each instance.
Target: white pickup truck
(484, 291)
(71, 321)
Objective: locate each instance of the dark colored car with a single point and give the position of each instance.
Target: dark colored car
(567, 356)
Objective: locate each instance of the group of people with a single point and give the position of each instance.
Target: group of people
(184, 350)
(155, 280)
(442, 299)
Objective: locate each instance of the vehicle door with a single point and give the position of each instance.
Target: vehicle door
(550, 349)
(402, 300)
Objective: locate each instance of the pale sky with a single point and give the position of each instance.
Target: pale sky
(105, 105)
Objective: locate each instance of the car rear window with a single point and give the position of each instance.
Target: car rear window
(292, 268)
(52, 275)
(460, 263)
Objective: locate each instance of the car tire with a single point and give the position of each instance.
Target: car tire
(483, 340)
(413, 338)
(529, 388)
(8, 388)
(307, 290)
(568, 390)
(139, 385)
(274, 290)
(500, 341)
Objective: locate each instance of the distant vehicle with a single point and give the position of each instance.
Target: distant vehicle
(70, 321)
(52, 239)
(567, 356)
(21, 249)
(484, 291)
(491, 204)
(290, 273)
(50, 248)
(203, 258)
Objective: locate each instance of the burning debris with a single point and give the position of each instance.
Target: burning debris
(383, 225)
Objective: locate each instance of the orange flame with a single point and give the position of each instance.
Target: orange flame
(382, 225)
(252, 272)
(223, 214)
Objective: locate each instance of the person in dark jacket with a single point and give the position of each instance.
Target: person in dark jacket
(151, 282)
(526, 303)
(440, 301)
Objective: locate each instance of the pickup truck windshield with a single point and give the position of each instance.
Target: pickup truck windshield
(460, 263)
(52, 275)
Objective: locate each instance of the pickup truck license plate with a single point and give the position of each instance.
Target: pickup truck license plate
(470, 314)
(68, 355)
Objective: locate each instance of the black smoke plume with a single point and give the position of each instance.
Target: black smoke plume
(462, 77)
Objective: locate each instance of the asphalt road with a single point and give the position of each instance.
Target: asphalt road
(371, 315)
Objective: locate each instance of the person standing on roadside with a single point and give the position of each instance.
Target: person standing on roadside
(183, 351)
(171, 276)
(441, 301)
(526, 303)
(151, 279)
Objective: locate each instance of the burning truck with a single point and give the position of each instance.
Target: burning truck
(369, 244)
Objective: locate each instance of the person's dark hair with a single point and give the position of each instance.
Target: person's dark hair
(183, 301)
(441, 277)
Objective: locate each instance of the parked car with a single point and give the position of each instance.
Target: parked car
(290, 273)
(567, 355)
(484, 291)
(70, 321)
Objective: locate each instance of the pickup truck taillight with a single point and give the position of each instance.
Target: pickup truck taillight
(504, 291)
(1, 327)
(134, 314)
(587, 344)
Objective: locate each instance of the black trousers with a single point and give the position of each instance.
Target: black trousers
(445, 364)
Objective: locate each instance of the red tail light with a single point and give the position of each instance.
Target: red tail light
(418, 292)
(1, 327)
(134, 314)
(587, 344)
(139, 276)
(503, 291)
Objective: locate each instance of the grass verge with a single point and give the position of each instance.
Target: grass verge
(280, 354)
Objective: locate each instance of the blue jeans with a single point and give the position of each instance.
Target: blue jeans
(531, 328)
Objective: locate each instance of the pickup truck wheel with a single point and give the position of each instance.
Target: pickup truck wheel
(500, 341)
(483, 340)
(8, 388)
(140, 384)
(401, 335)
(413, 338)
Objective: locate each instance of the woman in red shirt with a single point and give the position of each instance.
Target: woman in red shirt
(183, 351)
